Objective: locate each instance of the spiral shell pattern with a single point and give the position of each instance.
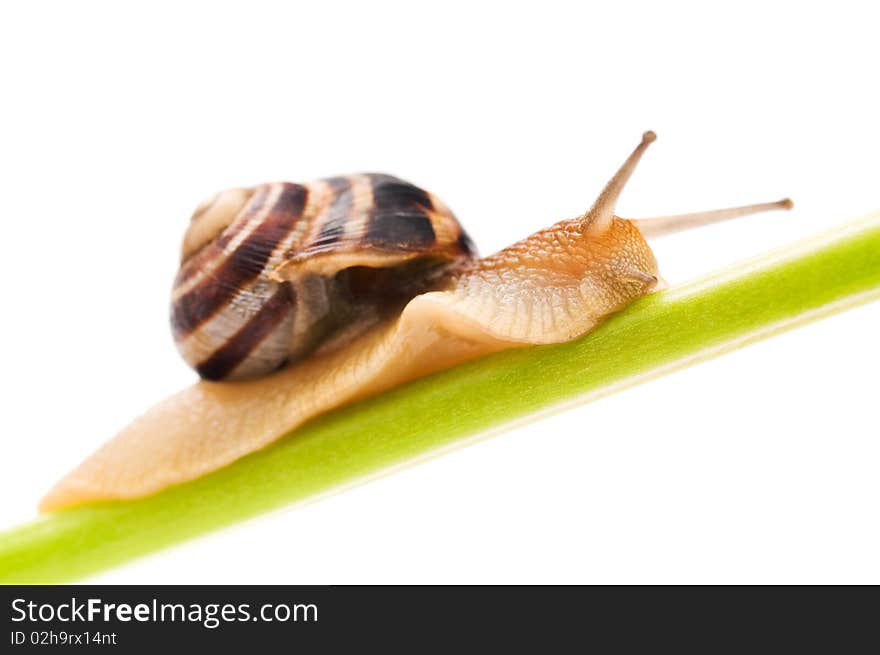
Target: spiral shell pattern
(260, 267)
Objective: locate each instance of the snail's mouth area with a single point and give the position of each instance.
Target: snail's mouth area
(660, 283)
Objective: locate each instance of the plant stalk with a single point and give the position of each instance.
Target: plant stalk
(660, 333)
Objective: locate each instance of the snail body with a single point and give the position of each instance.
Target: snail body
(302, 298)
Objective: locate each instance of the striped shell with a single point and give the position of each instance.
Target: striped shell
(269, 274)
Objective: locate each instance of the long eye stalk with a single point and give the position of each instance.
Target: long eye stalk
(601, 214)
(663, 225)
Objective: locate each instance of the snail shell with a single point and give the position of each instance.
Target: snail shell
(268, 274)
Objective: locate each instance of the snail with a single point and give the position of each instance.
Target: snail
(292, 300)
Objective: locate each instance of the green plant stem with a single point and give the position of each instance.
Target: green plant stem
(663, 332)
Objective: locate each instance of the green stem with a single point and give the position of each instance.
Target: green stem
(660, 333)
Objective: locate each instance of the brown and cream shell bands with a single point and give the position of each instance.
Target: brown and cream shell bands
(267, 273)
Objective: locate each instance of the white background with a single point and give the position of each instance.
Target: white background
(757, 467)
